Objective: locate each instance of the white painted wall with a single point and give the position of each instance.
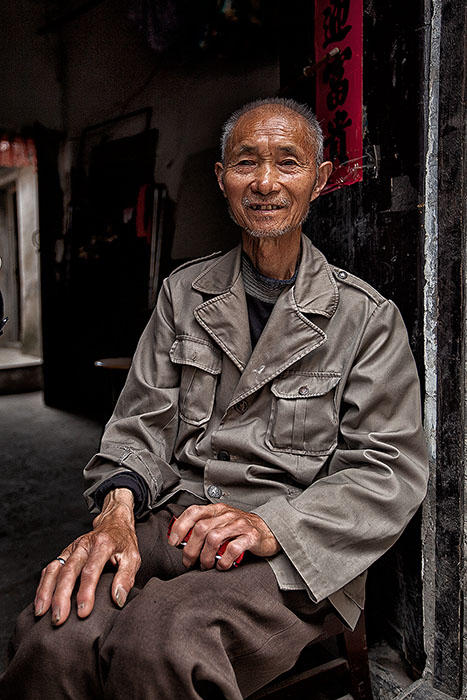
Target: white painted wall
(29, 264)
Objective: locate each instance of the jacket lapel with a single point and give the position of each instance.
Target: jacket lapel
(290, 334)
(225, 315)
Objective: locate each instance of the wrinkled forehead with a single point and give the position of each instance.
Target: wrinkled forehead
(275, 122)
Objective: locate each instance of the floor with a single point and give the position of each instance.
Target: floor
(43, 452)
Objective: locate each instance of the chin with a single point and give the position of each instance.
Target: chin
(267, 233)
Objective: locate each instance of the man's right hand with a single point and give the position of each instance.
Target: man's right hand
(113, 539)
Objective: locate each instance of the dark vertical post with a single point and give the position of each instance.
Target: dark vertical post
(448, 644)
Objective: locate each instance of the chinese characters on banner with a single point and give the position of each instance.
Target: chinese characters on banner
(339, 84)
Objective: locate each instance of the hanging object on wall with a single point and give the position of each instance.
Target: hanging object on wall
(17, 152)
(339, 86)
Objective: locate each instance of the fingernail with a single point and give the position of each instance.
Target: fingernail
(120, 595)
(174, 540)
(56, 616)
(80, 606)
(39, 608)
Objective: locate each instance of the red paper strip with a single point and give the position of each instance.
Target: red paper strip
(339, 86)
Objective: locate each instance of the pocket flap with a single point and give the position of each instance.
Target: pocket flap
(304, 385)
(198, 353)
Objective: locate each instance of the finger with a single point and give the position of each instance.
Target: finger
(233, 550)
(65, 583)
(128, 564)
(186, 521)
(46, 586)
(100, 553)
(238, 535)
(205, 537)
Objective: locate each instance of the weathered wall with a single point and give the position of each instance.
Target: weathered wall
(375, 230)
(448, 493)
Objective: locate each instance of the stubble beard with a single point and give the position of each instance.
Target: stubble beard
(269, 233)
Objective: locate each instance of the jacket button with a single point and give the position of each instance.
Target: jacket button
(342, 275)
(241, 406)
(303, 391)
(214, 492)
(223, 456)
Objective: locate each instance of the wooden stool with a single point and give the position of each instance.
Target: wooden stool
(350, 666)
(119, 366)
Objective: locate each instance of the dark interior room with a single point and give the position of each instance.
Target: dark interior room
(110, 119)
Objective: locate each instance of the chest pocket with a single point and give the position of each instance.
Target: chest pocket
(303, 417)
(201, 363)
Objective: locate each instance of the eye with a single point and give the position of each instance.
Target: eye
(288, 162)
(246, 162)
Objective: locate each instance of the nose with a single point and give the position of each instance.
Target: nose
(266, 179)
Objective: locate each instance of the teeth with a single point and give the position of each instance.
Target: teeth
(265, 207)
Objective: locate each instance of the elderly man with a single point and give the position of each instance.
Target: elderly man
(273, 408)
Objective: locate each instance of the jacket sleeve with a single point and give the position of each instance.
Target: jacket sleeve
(375, 479)
(140, 435)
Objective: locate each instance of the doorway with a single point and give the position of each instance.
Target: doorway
(9, 265)
(21, 342)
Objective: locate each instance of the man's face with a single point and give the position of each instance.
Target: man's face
(269, 175)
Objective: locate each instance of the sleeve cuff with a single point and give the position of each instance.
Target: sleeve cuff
(128, 480)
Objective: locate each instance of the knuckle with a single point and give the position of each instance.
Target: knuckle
(81, 545)
(88, 570)
(243, 522)
(237, 549)
(212, 538)
(51, 568)
(201, 528)
(194, 511)
(187, 561)
(135, 557)
(103, 539)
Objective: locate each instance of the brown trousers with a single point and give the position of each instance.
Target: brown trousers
(182, 634)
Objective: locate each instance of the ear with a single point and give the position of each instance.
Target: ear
(219, 170)
(324, 171)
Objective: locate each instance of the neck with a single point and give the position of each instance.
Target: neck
(274, 257)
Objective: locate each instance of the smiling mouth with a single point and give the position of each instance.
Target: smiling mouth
(265, 207)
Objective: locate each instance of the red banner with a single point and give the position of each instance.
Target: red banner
(339, 86)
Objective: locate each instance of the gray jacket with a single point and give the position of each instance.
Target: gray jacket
(318, 430)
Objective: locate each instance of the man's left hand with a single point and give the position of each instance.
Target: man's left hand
(218, 523)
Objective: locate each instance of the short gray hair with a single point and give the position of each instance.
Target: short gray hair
(302, 110)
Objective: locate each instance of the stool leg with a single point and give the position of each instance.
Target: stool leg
(356, 652)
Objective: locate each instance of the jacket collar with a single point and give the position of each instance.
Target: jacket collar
(289, 334)
(315, 289)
